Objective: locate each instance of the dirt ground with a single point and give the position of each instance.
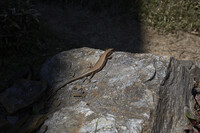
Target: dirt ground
(78, 27)
(183, 46)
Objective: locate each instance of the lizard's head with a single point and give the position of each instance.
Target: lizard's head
(109, 51)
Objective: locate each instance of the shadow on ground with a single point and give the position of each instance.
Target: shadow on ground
(76, 27)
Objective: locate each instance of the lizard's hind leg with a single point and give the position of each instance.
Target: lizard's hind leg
(91, 75)
(110, 56)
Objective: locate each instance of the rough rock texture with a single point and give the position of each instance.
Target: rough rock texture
(22, 94)
(133, 93)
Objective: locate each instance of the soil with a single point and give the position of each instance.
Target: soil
(79, 27)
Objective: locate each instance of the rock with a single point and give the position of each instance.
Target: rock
(23, 73)
(33, 124)
(22, 94)
(12, 119)
(15, 125)
(3, 85)
(3, 124)
(133, 93)
(43, 129)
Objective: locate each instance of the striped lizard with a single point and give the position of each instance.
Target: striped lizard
(97, 67)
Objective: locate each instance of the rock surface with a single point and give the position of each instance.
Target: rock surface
(22, 94)
(133, 93)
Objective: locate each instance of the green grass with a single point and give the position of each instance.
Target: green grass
(172, 15)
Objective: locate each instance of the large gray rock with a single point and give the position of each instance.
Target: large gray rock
(133, 93)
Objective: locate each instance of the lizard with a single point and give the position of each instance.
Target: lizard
(97, 67)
